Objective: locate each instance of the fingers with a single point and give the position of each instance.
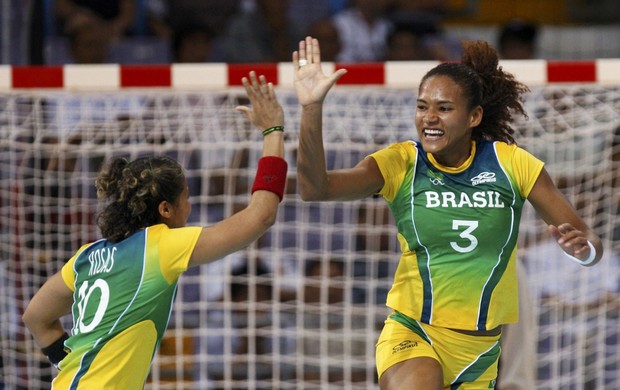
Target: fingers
(569, 238)
(264, 110)
(245, 110)
(309, 53)
(257, 87)
(569, 233)
(301, 56)
(338, 74)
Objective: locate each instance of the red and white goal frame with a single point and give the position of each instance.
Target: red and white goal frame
(217, 75)
(58, 123)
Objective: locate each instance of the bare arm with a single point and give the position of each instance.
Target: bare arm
(243, 228)
(49, 304)
(315, 182)
(570, 231)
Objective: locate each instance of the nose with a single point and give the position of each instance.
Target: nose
(430, 117)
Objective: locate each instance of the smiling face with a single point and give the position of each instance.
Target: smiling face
(444, 121)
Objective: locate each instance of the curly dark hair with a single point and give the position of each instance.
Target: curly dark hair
(486, 84)
(132, 191)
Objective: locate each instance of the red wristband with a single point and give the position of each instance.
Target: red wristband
(271, 175)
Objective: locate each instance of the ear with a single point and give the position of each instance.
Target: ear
(475, 116)
(165, 209)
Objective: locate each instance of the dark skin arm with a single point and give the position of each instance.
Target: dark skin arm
(570, 231)
(315, 182)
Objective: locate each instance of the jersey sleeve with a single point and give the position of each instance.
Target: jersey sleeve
(175, 248)
(521, 165)
(67, 272)
(392, 162)
(68, 276)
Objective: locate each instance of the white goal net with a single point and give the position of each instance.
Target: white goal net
(303, 306)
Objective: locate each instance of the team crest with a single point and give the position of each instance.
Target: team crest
(435, 177)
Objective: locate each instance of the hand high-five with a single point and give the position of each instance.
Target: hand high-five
(265, 110)
(311, 83)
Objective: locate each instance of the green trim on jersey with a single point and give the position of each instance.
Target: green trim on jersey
(458, 231)
(122, 292)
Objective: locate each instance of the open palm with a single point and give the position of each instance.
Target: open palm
(311, 84)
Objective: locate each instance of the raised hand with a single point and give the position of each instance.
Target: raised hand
(311, 84)
(265, 111)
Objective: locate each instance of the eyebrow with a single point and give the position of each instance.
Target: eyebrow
(439, 102)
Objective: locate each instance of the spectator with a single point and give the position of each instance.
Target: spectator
(307, 13)
(327, 336)
(89, 43)
(416, 41)
(193, 43)
(363, 29)
(215, 14)
(517, 40)
(152, 20)
(405, 44)
(250, 290)
(247, 302)
(265, 33)
(517, 363)
(325, 31)
(117, 16)
(555, 301)
(425, 8)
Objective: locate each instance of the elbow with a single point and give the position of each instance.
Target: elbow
(263, 222)
(311, 188)
(265, 215)
(28, 319)
(269, 219)
(307, 197)
(310, 194)
(261, 213)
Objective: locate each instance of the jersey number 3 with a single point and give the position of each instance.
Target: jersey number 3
(466, 228)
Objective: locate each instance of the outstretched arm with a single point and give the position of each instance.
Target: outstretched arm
(241, 229)
(315, 182)
(570, 231)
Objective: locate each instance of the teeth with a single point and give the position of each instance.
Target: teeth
(433, 132)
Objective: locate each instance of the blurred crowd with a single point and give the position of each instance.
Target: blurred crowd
(241, 31)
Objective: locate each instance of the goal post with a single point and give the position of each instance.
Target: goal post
(303, 306)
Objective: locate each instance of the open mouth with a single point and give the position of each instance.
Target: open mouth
(432, 133)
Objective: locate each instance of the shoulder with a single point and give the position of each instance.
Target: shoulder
(395, 162)
(400, 151)
(504, 147)
(513, 152)
(86, 248)
(162, 230)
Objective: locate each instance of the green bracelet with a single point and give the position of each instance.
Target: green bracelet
(272, 129)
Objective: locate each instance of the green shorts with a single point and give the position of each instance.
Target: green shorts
(468, 362)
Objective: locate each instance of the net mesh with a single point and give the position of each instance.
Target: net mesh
(303, 306)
